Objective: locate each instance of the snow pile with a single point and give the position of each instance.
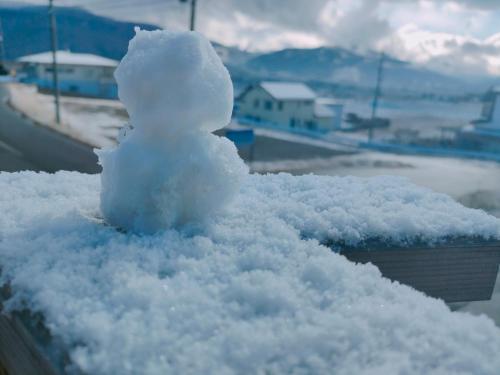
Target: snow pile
(250, 294)
(169, 171)
(89, 120)
(352, 210)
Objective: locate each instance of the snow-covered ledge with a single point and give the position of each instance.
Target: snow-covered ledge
(244, 287)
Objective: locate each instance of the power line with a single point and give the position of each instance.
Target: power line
(125, 4)
(121, 5)
(98, 6)
(2, 47)
(376, 94)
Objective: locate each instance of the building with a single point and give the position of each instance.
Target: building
(329, 108)
(289, 105)
(484, 134)
(79, 74)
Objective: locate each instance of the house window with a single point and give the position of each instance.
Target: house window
(107, 73)
(60, 69)
(280, 106)
(307, 102)
(268, 105)
(311, 125)
(256, 103)
(292, 122)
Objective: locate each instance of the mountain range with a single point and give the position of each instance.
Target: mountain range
(333, 70)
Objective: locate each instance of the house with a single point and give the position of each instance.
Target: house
(79, 74)
(288, 104)
(330, 108)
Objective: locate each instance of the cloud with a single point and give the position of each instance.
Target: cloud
(445, 52)
(480, 4)
(360, 27)
(349, 23)
(437, 34)
(448, 35)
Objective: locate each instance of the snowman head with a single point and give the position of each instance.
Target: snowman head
(173, 84)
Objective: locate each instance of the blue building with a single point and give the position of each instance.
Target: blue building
(79, 74)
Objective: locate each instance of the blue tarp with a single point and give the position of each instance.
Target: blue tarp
(243, 137)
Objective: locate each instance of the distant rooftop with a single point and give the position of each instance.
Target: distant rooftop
(324, 107)
(69, 58)
(328, 101)
(288, 90)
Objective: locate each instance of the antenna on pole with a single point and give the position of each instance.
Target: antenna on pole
(376, 94)
(53, 43)
(193, 13)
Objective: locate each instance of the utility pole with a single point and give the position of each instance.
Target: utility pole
(2, 48)
(53, 43)
(376, 95)
(193, 13)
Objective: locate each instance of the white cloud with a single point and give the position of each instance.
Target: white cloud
(256, 35)
(445, 52)
(443, 35)
(447, 35)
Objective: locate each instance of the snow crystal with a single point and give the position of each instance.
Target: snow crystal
(169, 171)
(254, 292)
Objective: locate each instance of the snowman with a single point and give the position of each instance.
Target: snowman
(169, 170)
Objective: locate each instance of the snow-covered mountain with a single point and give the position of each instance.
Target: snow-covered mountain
(343, 67)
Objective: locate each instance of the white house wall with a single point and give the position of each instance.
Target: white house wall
(95, 81)
(77, 72)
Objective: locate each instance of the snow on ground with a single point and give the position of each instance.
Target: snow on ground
(93, 121)
(463, 179)
(426, 116)
(253, 292)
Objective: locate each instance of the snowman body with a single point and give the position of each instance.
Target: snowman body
(169, 171)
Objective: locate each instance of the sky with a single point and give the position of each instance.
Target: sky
(456, 37)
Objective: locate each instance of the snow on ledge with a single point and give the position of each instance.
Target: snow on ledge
(253, 292)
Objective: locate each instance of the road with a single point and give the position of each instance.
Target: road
(12, 160)
(25, 144)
